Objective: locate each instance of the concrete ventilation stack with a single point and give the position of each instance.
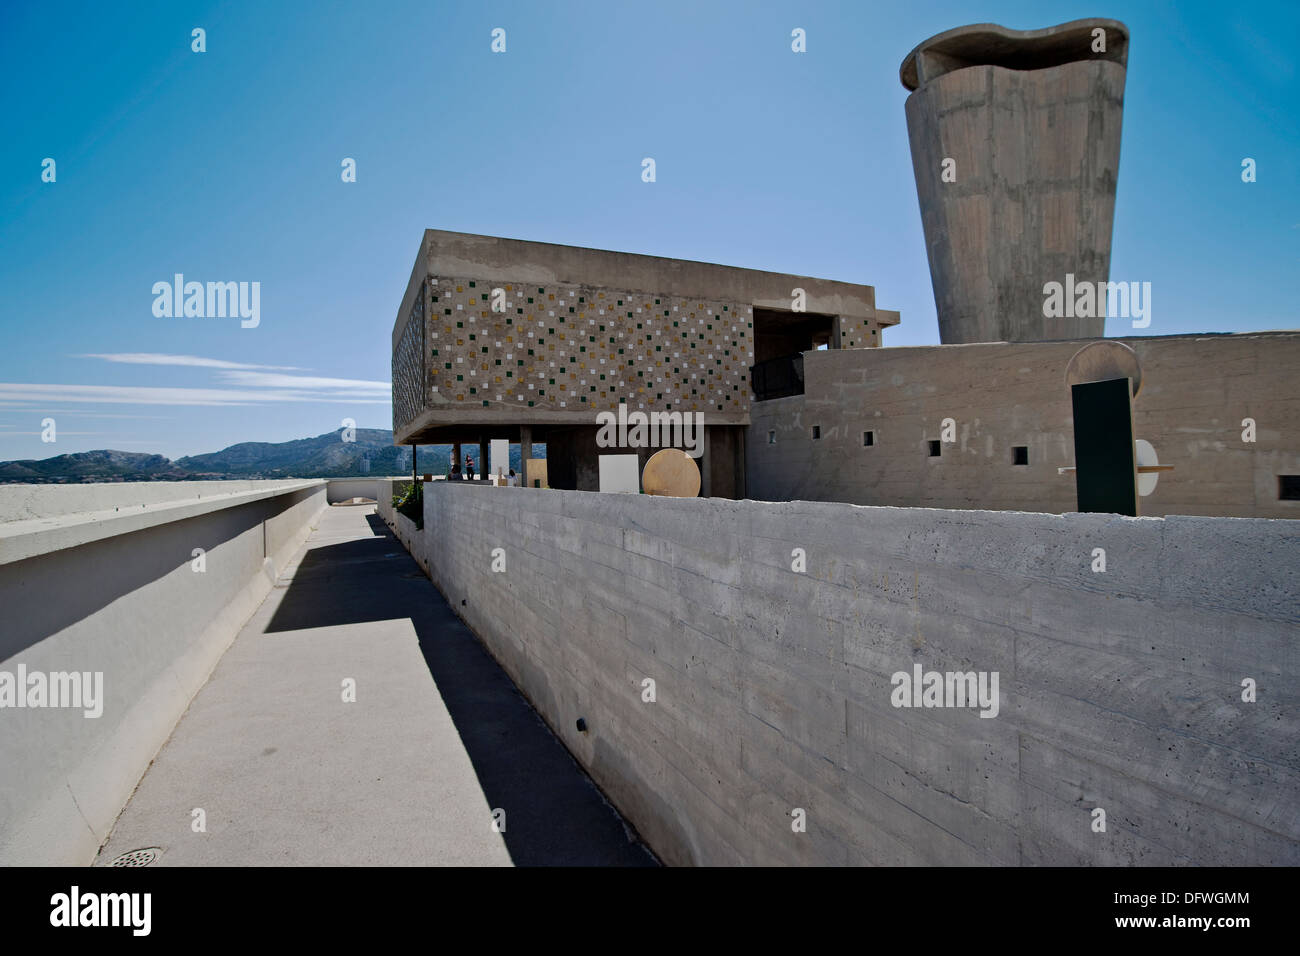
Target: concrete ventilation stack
(1026, 127)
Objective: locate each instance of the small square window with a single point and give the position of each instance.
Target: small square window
(934, 449)
(1019, 454)
(817, 432)
(1288, 487)
(868, 439)
(771, 438)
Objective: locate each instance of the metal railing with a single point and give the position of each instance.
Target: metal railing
(778, 377)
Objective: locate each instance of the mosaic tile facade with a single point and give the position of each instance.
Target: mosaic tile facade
(409, 368)
(583, 349)
(855, 333)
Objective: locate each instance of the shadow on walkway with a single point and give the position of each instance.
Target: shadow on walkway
(555, 815)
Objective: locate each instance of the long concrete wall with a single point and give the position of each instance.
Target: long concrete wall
(1196, 392)
(1119, 690)
(102, 579)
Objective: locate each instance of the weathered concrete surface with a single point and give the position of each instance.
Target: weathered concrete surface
(37, 524)
(121, 594)
(28, 502)
(408, 774)
(1032, 121)
(657, 333)
(498, 259)
(1196, 392)
(1119, 690)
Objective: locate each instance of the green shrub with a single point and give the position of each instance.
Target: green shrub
(411, 503)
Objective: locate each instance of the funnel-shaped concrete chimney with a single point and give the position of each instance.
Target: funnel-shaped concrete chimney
(1015, 147)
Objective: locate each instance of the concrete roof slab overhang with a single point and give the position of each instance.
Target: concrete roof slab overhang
(516, 260)
(426, 412)
(988, 44)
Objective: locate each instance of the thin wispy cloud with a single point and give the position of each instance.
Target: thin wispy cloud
(79, 413)
(190, 361)
(33, 393)
(63, 433)
(275, 380)
(253, 385)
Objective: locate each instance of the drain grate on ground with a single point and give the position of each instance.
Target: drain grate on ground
(138, 857)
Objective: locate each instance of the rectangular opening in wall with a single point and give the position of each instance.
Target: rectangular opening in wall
(1288, 487)
(1019, 454)
(817, 431)
(771, 438)
(868, 439)
(780, 339)
(934, 449)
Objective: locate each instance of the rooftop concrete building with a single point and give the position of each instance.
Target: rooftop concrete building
(1015, 146)
(990, 426)
(501, 338)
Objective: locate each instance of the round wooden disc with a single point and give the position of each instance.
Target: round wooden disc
(1101, 361)
(672, 473)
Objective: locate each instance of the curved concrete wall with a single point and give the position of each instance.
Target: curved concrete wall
(343, 489)
(1031, 121)
(115, 592)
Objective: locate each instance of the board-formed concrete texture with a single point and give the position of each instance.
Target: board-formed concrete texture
(877, 411)
(1027, 124)
(1119, 691)
(105, 575)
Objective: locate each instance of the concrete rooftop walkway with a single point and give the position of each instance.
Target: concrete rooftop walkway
(287, 773)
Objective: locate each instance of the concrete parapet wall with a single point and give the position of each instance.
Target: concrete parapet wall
(343, 489)
(117, 593)
(25, 502)
(402, 526)
(1119, 690)
(388, 487)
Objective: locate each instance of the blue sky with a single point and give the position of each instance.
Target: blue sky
(224, 166)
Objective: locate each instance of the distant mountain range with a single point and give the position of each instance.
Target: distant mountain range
(325, 456)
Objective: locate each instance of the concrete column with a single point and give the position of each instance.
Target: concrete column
(482, 465)
(455, 454)
(739, 446)
(705, 462)
(525, 452)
